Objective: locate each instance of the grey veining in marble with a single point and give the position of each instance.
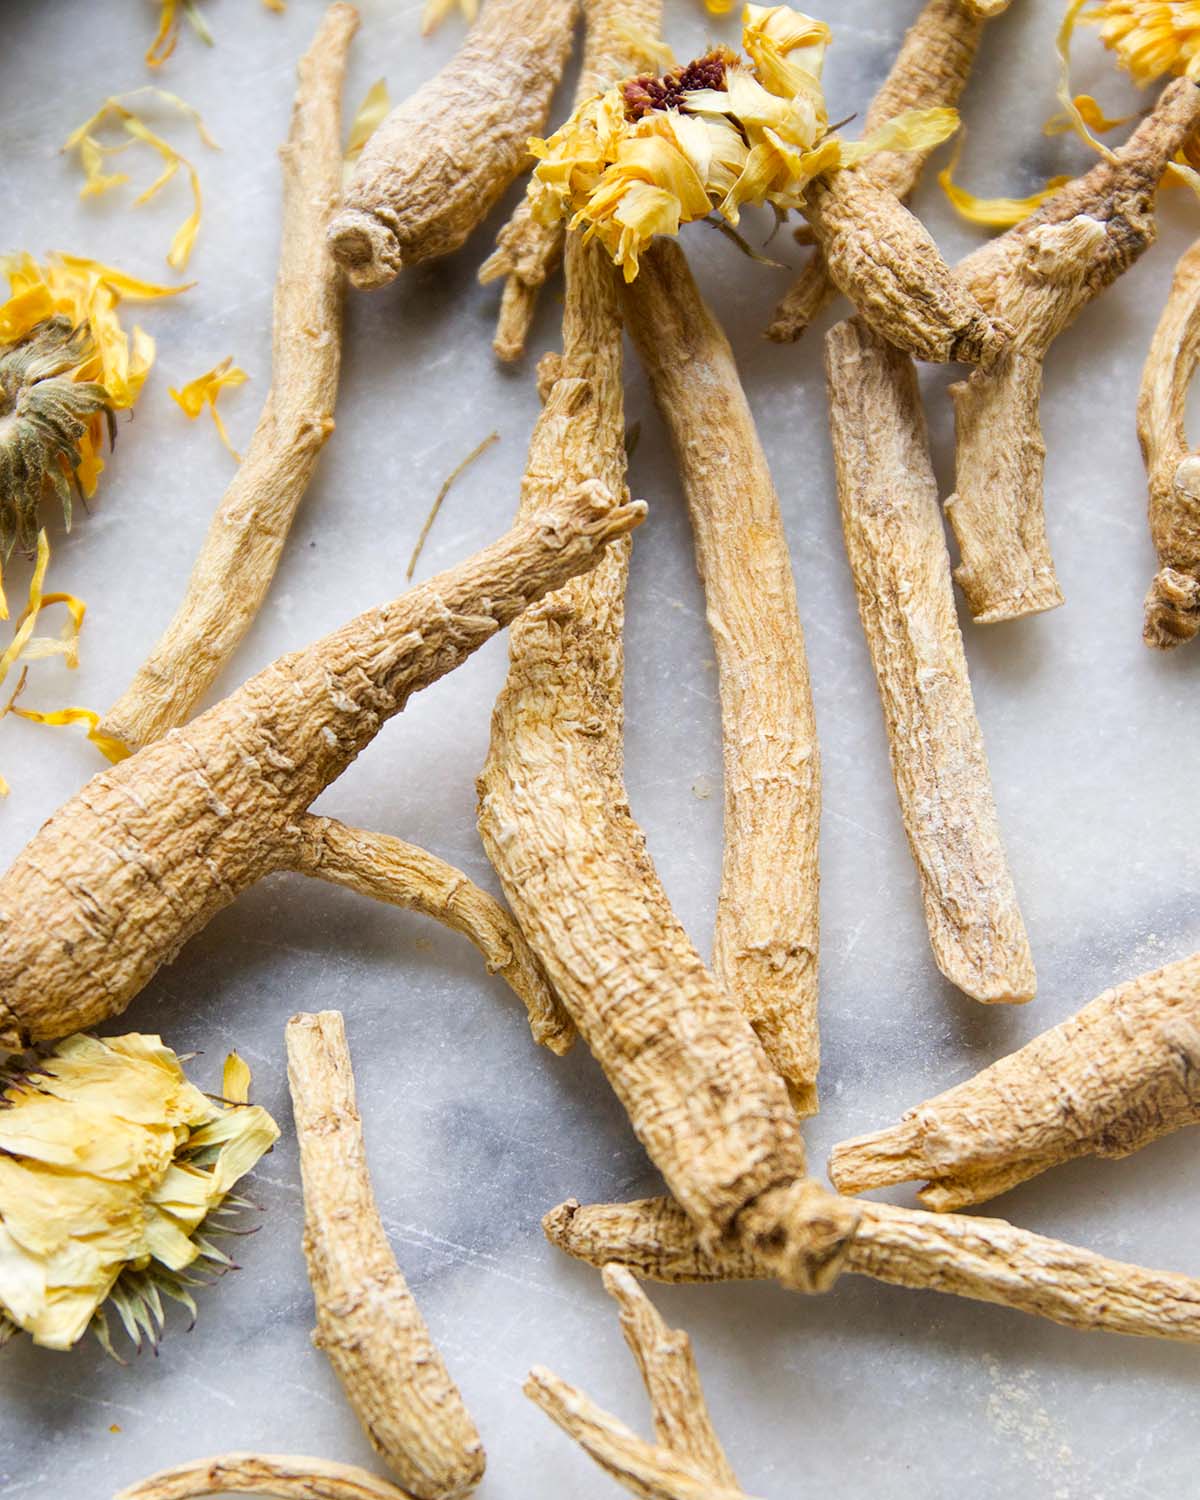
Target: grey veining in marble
(472, 1133)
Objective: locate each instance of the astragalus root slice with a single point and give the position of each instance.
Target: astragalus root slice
(1172, 468)
(687, 1462)
(368, 1322)
(433, 169)
(248, 531)
(766, 943)
(149, 851)
(986, 1260)
(555, 821)
(1120, 1073)
(527, 251)
(896, 546)
(930, 71)
(1039, 277)
(401, 874)
(287, 1476)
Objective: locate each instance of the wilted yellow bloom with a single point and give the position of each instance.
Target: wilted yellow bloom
(204, 390)
(1150, 37)
(65, 366)
(658, 152)
(92, 154)
(111, 1167)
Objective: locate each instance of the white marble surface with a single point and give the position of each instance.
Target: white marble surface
(472, 1132)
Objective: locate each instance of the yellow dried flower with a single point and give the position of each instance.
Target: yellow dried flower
(1151, 38)
(658, 152)
(204, 390)
(93, 152)
(113, 1168)
(65, 366)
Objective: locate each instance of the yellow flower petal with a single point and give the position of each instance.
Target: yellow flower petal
(992, 213)
(368, 117)
(112, 750)
(204, 390)
(436, 11)
(235, 1080)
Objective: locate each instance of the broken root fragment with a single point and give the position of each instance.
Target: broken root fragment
(896, 546)
(150, 850)
(1039, 277)
(285, 1475)
(388, 869)
(987, 1260)
(766, 941)
(440, 160)
(688, 1462)
(248, 531)
(1172, 468)
(368, 1322)
(1120, 1073)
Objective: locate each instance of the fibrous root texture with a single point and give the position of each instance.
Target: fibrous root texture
(437, 164)
(288, 1476)
(1120, 1073)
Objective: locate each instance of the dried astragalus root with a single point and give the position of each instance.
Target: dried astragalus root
(432, 170)
(767, 932)
(368, 1322)
(1116, 1076)
(1039, 277)
(248, 531)
(687, 1462)
(1173, 469)
(656, 153)
(930, 72)
(387, 869)
(113, 1170)
(286, 1475)
(65, 367)
(986, 1260)
(148, 852)
(555, 821)
(527, 249)
(896, 546)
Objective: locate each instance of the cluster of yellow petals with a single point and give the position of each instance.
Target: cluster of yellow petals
(89, 293)
(110, 1160)
(93, 153)
(1150, 37)
(761, 137)
(204, 390)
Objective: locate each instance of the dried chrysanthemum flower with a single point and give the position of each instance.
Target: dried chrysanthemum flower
(1150, 37)
(115, 1172)
(45, 413)
(655, 153)
(65, 367)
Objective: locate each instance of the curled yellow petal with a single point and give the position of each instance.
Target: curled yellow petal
(369, 115)
(204, 390)
(166, 36)
(235, 1080)
(1066, 95)
(32, 608)
(112, 749)
(1089, 111)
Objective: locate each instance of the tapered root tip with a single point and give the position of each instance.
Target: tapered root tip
(1172, 609)
(800, 1234)
(785, 327)
(805, 1099)
(365, 248)
(881, 1159)
(983, 341)
(556, 1225)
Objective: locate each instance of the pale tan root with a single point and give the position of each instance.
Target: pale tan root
(987, 1260)
(388, 869)
(645, 1469)
(1172, 468)
(528, 252)
(368, 1322)
(688, 1462)
(150, 850)
(886, 262)
(1120, 1073)
(555, 822)
(246, 537)
(1038, 277)
(767, 931)
(897, 551)
(437, 164)
(286, 1475)
(930, 71)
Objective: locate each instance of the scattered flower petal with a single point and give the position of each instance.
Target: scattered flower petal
(204, 390)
